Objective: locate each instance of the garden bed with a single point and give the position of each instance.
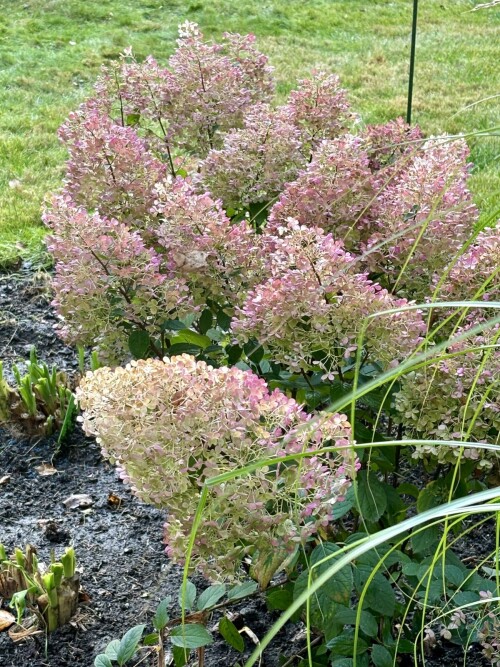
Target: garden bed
(118, 539)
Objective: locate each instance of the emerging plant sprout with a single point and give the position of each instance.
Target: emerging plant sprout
(51, 592)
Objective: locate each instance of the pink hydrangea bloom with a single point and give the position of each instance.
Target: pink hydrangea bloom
(217, 258)
(309, 312)
(422, 217)
(331, 193)
(388, 143)
(319, 108)
(203, 92)
(109, 167)
(254, 162)
(106, 280)
(217, 84)
(171, 424)
(474, 275)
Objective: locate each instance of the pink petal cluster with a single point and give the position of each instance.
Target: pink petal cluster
(107, 281)
(109, 167)
(388, 143)
(218, 83)
(309, 312)
(475, 274)
(455, 398)
(202, 94)
(171, 424)
(422, 217)
(254, 162)
(331, 193)
(319, 108)
(217, 258)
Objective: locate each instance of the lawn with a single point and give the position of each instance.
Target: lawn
(51, 51)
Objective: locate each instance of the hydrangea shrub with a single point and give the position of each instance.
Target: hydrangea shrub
(269, 236)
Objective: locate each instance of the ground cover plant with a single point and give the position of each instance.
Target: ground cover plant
(51, 52)
(270, 264)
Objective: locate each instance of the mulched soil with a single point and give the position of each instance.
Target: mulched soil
(124, 570)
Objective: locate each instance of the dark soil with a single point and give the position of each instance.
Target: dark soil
(124, 571)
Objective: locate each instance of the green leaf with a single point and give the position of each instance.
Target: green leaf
(434, 494)
(128, 644)
(102, 660)
(138, 343)
(371, 497)
(223, 320)
(151, 640)
(210, 596)
(112, 649)
(279, 599)
(215, 335)
(161, 617)
(187, 598)
(192, 635)
(336, 590)
(192, 337)
(380, 596)
(344, 644)
(408, 489)
(254, 351)
(424, 542)
(454, 575)
(242, 590)
(132, 119)
(181, 656)
(233, 353)
(381, 656)
(340, 508)
(367, 622)
(173, 325)
(230, 633)
(205, 321)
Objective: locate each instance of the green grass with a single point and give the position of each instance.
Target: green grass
(51, 51)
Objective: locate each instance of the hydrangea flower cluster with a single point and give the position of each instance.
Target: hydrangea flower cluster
(421, 218)
(455, 398)
(331, 193)
(319, 108)
(256, 161)
(193, 102)
(388, 143)
(309, 312)
(171, 424)
(217, 258)
(107, 282)
(475, 274)
(109, 166)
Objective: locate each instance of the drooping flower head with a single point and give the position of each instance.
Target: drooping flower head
(171, 424)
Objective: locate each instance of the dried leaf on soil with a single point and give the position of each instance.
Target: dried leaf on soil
(6, 620)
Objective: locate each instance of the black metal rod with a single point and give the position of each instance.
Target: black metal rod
(412, 60)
